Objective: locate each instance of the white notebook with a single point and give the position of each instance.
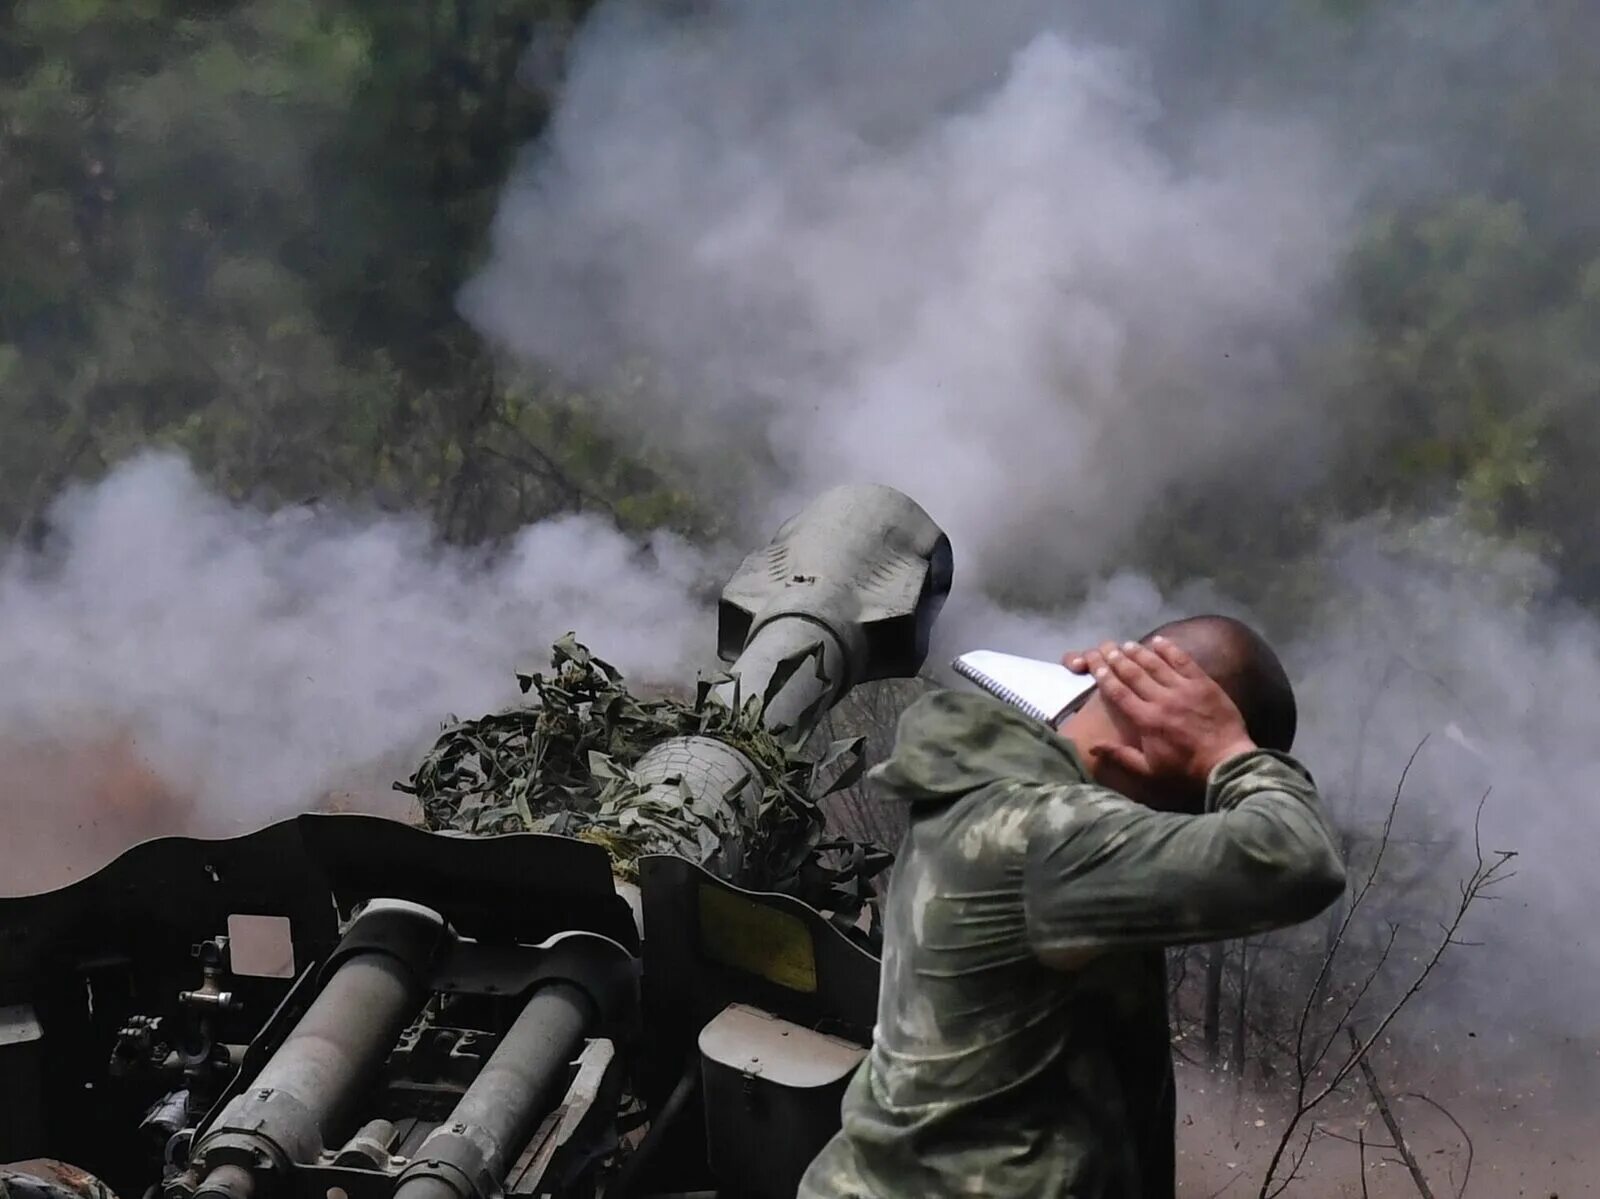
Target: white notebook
(1044, 690)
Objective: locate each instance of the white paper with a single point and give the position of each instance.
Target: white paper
(1042, 689)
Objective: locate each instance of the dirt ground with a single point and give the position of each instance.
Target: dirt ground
(1525, 1142)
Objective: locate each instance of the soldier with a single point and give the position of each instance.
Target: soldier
(1022, 1044)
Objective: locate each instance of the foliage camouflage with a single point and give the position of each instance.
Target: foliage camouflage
(563, 764)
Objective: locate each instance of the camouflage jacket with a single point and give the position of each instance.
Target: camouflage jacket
(1021, 1044)
(45, 1178)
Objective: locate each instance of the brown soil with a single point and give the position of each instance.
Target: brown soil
(1526, 1141)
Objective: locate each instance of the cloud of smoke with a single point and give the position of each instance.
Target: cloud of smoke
(1446, 638)
(242, 664)
(940, 247)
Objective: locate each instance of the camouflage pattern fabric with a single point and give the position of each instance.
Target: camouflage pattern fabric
(992, 1072)
(43, 1178)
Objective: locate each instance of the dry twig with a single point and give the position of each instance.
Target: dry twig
(1485, 875)
(1389, 1121)
(1445, 1112)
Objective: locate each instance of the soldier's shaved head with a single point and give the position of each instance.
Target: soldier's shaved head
(1244, 666)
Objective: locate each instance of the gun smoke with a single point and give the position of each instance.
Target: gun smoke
(857, 251)
(178, 663)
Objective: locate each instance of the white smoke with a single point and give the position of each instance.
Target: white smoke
(255, 659)
(938, 247)
(1441, 636)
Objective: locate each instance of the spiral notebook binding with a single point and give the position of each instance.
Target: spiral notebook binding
(1000, 691)
(1043, 690)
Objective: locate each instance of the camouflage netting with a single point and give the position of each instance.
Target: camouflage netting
(562, 764)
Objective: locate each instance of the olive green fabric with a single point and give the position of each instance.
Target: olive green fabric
(44, 1178)
(993, 1073)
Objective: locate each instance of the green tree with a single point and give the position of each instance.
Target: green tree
(240, 227)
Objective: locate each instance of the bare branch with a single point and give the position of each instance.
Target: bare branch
(1484, 875)
(1350, 914)
(1359, 1139)
(1294, 1167)
(1445, 1112)
(1392, 1124)
(1237, 1174)
(1361, 1148)
(1361, 993)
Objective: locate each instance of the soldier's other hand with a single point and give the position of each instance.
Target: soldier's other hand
(1179, 723)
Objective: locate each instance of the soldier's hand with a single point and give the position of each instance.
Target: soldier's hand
(1180, 723)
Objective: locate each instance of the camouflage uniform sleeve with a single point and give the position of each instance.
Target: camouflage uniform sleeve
(1103, 872)
(46, 1178)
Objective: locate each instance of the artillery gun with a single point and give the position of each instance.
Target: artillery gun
(340, 1006)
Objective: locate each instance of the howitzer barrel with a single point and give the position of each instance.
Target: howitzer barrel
(847, 591)
(796, 705)
(348, 1030)
(293, 1107)
(466, 1157)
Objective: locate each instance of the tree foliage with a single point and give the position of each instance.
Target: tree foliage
(238, 227)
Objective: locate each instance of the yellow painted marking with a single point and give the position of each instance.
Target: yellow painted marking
(759, 940)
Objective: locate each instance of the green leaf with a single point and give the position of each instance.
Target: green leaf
(854, 749)
(602, 767)
(785, 670)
